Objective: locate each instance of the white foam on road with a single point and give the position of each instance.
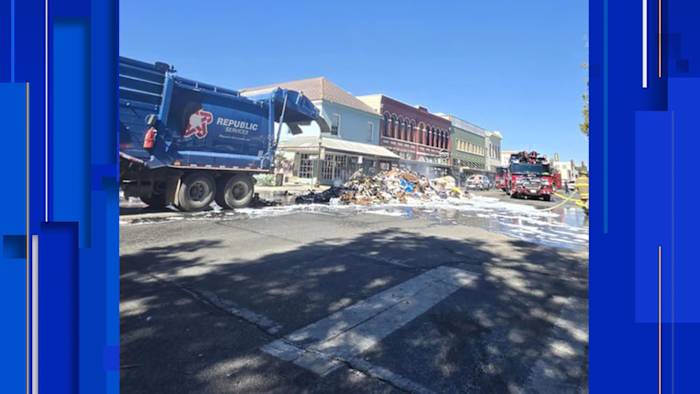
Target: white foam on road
(514, 219)
(340, 338)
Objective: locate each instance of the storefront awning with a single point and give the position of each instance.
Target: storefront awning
(475, 170)
(312, 144)
(420, 163)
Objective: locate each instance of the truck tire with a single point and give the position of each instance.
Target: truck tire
(235, 191)
(156, 201)
(196, 191)
(547, 197)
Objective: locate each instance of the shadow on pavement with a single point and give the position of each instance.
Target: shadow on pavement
(510, 331)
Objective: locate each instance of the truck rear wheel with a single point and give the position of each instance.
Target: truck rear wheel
(196, 191)
(235, 192)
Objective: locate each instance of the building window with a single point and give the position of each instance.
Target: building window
(306, 166)
(387, 124)
(335, 124)
(327, 166)
(370, 131)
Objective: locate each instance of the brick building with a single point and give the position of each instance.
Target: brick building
(420, 138)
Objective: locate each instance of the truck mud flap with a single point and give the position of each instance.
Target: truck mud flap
(172, 187)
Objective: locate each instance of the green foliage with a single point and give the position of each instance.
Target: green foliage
(584, 124)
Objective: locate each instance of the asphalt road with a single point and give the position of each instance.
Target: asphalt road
(319, 302)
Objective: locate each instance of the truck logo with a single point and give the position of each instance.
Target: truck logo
(234, 126)
(197, 124)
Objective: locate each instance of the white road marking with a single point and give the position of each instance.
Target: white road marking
(340, 338)
(35, 313)
(644, 44)
(263, 322)
(267, 324)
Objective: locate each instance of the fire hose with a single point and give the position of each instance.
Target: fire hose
(566, 199)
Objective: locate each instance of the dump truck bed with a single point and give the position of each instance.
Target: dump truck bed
(199, 124)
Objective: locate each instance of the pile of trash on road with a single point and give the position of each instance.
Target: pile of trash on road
(391, 186)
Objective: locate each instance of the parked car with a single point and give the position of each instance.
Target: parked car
(479, 182)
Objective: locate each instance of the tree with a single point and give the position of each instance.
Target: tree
(584, 125)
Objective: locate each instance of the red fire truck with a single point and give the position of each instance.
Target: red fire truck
(500, 180)
(556, 179)
(529, 176)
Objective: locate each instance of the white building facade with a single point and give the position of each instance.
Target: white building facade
(567, 169)
(493, 150)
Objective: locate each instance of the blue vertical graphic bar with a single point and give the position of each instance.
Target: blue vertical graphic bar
(12, 40)
(5, 44)
(653, 192)
(75, 44)
(58, 307)
(684, 96)
(605, 116)
(13, 252)
(105, 207)
(70, 141)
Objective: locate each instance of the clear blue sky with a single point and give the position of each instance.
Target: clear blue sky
(508, 65)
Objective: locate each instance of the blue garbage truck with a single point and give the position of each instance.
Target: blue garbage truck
(186, 143)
